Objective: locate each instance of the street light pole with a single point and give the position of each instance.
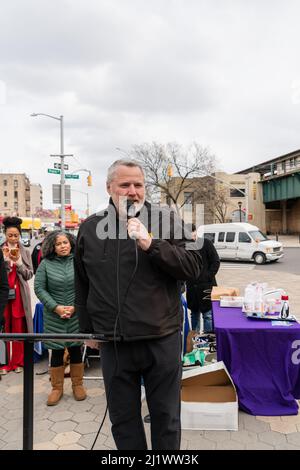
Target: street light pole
(119, 149)
(87, 205)
(62, 167)
(240, 210)
(87, 200)
(62, 175)
(247, 197)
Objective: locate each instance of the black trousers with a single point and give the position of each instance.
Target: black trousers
(57, 356)
(158, 361)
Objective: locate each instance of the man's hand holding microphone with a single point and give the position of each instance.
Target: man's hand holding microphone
(137, 231)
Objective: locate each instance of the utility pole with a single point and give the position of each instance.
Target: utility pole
(62, 175)
(62, 168)
(87, 200)
(247, 197)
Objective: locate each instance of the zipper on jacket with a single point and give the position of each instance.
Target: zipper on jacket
(118, 317)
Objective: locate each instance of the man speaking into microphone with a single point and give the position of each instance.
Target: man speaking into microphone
(129, 261)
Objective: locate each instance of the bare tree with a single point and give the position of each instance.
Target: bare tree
(170, 169)
(221, 201)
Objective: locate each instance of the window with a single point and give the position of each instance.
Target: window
(244, 237)
(16, 194)
(230, 236)
(257, 235)
(237, 192)
(221, 237)
(15, 183)
(4, 182)
(210, 236)
(5, 204)
(5, 193)
(16, 206)
(188, 201)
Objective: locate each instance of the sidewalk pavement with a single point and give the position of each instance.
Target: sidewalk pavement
(73, 425)
(288, 241)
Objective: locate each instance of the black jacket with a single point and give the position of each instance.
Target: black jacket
(36, 256)
(3, 287)
(196, 294)
(149, 301)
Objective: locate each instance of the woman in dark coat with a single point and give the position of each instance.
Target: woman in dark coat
(198, 293)
(54, 287)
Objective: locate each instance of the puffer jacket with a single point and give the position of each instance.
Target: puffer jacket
(54, 285)
(141, 296)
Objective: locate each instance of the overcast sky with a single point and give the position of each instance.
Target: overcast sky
(223, 73)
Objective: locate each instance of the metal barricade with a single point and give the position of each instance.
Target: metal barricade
(28, 378)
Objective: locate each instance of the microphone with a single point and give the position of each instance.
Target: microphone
(130, 209)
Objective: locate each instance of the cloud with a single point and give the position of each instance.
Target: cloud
(124, 72)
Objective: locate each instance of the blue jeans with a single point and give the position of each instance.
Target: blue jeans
(207, 321)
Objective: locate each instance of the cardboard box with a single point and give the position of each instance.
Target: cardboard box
(222, 291)
(208, 399)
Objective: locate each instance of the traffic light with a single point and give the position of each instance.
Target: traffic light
(170, 170)
(89, 180)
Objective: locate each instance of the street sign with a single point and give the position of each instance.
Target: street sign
(58, 165)
(56, 198)
(55, 172)
(74, 177)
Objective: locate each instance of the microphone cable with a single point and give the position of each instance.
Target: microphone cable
(120, 308)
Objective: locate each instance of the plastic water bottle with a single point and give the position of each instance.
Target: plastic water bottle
(285, 309)
(249, 299)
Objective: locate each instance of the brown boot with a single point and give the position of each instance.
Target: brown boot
(57, 382)
(76, 371)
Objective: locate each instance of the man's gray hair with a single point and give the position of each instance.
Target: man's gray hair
(122, 162)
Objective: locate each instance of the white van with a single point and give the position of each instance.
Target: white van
(241, 241)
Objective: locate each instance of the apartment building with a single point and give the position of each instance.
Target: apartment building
(36, 198)
(219, 198)
(14, 194)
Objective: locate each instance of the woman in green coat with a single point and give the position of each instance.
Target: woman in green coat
(54, 287)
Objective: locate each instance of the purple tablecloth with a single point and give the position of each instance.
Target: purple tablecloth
(258, 357)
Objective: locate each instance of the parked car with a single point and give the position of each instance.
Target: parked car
(241, 241)
(25, 238)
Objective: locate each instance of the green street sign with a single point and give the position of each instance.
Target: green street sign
(74, 177)
(55, 172)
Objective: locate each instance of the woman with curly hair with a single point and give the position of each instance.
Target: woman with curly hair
(17, 313)
(54, 286)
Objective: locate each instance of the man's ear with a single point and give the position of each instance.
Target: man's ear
(108, 188)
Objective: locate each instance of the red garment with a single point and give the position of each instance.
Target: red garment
(15, 322)
(39, 257)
